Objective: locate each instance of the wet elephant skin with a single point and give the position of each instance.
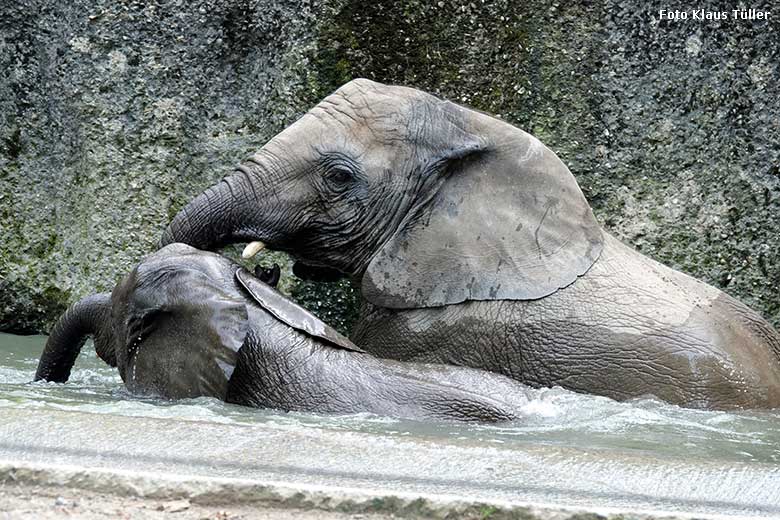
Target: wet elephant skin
(188, 323)
(473, 245)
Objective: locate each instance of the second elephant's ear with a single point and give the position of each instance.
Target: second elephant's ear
(290, 313)
(509, 223)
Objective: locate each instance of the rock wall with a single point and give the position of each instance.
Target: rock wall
(114, 114)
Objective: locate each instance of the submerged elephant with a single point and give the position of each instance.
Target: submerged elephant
(188, 323)
(473, 245)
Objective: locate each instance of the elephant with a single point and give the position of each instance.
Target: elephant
(473, 245)
(187, 323)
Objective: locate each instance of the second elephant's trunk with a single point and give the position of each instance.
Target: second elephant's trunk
(83, 318)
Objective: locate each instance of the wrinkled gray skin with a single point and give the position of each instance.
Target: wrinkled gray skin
(474, 246)
(188, 323)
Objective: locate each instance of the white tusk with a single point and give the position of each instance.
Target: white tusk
(252, 248)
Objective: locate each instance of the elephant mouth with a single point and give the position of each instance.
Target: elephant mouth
(302, 270)
(268, 275)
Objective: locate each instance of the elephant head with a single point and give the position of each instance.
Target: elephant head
(427, 202)
(172, 327)
(189, 323)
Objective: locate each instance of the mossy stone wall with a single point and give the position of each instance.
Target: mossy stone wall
(113, 115)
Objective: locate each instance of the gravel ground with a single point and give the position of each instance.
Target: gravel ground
(35, 502)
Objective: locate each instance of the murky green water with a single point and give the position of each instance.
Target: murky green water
(553, 417)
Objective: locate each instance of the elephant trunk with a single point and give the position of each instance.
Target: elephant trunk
(68, 335)
(212, 218)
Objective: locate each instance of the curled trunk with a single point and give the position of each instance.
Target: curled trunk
(87, 317)
(211, 219)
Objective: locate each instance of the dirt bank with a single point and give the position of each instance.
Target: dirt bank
(21, 502)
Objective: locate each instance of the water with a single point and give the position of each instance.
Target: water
(553, 417)
(583, 445)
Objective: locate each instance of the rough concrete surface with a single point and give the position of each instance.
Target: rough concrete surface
(51, 492)
(114, 114)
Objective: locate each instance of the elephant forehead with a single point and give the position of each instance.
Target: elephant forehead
(317, 133)
(363, 117)
(177, 262)
(368, 95)
(384, 124)
(366, 116)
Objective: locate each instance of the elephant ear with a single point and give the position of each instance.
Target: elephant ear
(224, 321)
(290, 313)
(509, 223)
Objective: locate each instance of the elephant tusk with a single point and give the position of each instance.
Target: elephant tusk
(252, 248)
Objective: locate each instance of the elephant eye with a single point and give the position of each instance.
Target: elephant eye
(340, 175)
(339, 170)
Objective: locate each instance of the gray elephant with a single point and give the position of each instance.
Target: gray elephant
(473, 245)
(188, 323)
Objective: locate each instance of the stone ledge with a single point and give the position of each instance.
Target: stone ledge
(206, 491)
